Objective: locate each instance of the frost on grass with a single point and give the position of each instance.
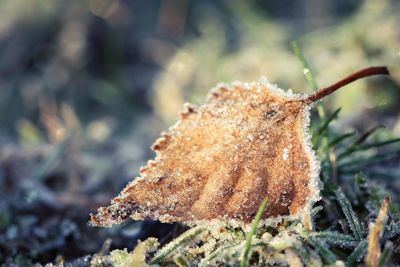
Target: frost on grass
(223, 246)
(220, 160)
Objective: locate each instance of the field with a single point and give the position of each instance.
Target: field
(87, 86)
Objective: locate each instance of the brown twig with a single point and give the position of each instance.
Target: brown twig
(380, 70)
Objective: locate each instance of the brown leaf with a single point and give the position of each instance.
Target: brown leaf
(247, 142)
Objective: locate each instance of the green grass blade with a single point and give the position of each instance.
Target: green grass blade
(324, 126)
(336, 239)
(367, 134)
(378, 144)
(350, 215)
(211, 258)
(246, 253)
(315, 210)
(386, 254)
(323, 249)
(341, 138)
(306, 67)
(303, 253)
(356, 255)
(309, 75)
(356, 148)
(326, 123)
(378, 158)
(382, 175)
(392, 230)
(166, 250)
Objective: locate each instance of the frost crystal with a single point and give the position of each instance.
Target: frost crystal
(285, 155)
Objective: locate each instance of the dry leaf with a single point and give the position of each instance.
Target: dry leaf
(221, 159)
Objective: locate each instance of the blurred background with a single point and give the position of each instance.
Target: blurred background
(86, 86)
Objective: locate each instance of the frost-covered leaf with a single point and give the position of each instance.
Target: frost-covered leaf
(249, 141)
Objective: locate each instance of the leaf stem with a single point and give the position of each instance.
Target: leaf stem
(370, 71)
